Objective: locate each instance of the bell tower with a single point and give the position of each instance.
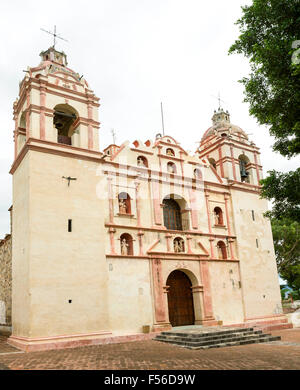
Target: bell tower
(55, 106)
(230, 152)
(59, 272)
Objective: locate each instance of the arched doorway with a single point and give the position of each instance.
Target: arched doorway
(180, 299)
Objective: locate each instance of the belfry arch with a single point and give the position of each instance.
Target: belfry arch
(64, 119)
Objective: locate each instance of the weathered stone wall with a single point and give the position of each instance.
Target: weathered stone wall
(5, 280)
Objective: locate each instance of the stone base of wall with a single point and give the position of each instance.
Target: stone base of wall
(266, 323)
(72, 341)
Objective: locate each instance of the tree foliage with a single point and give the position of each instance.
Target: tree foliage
(270, 39)
(270, 30)
(284, 189)
(286, 235)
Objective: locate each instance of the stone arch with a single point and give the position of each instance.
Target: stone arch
(180, 298)
(142, 161)
(64, 119)
(176, 215)
(124, 201)
(179, 245)
(171, 167)
(222, 250)
(218, 214)
(197, 174)
(170, 152)
(244, 168)
(126, 243)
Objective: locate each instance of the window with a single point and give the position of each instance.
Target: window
(142, 161)
(213, 162)
(218, 215)
(124, 203)
(170, 152)
(126, 243)
(197, 174)
(172, 214)
(222, 251)
(69, 225)
(253, 216)
(171, 167)
(257, 243)
(178, 245)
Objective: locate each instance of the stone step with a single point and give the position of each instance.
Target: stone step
(205, 334)
(240, 340)
(237, 343)
(204, 337)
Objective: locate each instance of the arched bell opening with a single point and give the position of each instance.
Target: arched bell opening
(63, 120)
(244, 163)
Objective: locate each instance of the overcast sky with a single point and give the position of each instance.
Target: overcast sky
(134, 54)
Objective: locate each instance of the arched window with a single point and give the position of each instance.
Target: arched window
(197, 174)
(178, 245)
(222, 251)
(172, 214)
(124, 203)
(126, 243)
(63, 120)
(218, 214)
(171, 167)
(244, 171)
(23, 121)
(213, 162)
(170, 152)
(142, 161)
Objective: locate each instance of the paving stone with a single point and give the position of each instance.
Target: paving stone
(153, 355)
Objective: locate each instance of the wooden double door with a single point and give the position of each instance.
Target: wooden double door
(180, 299)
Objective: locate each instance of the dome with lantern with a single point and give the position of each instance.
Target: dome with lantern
(222, 126)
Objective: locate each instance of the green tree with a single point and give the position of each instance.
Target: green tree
(286, 235)
(270, 39)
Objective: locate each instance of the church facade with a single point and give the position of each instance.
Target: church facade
(138, 238)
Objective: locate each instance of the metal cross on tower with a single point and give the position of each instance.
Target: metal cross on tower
(219, 99)
(54, 36)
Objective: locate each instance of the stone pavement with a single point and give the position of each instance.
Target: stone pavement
(154, 355)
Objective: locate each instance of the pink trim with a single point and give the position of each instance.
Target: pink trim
(221, 162)
(156, 203)
(229, 227)
(140, 236)
(188, 240)
(137, 201)
(27, 115)
(233, 163)
(112, 241)
(160, 312)
(168, 241)
(194, 212)
(152, 246)
(207, 301)
(31, 345)
(42, 125)
(256, 167)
